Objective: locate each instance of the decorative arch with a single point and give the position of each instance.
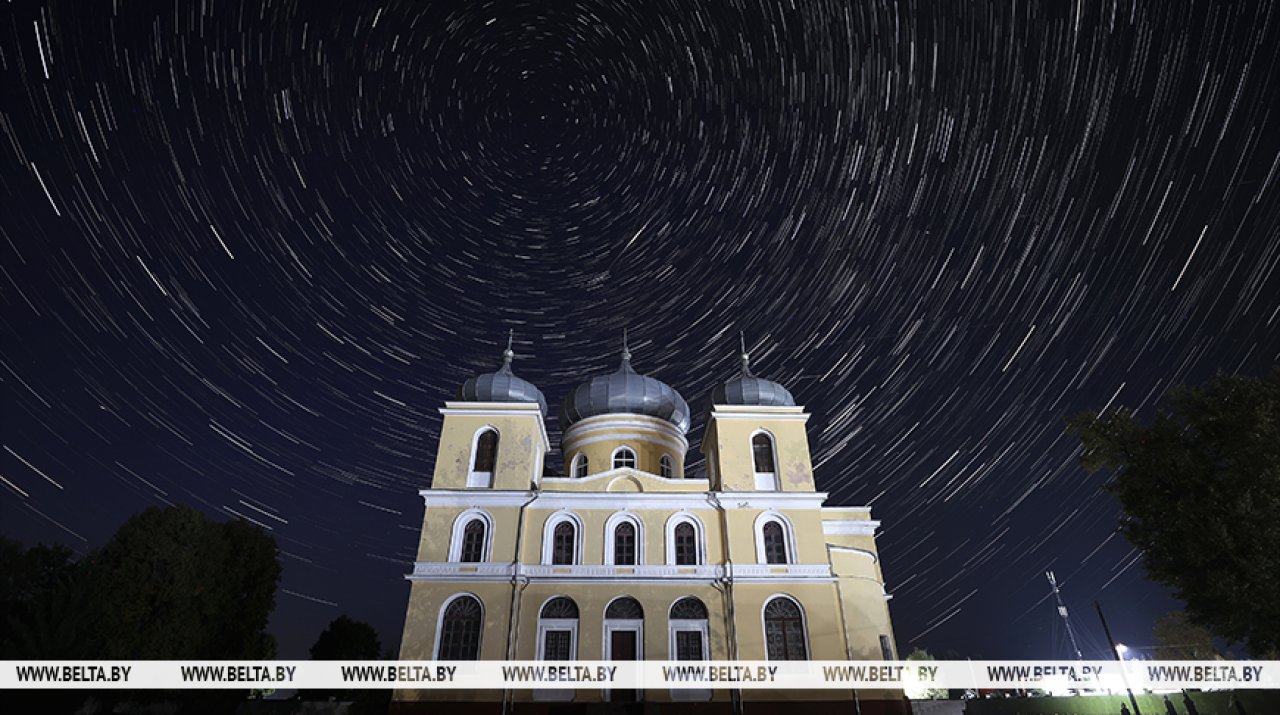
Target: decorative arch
(699, 537)
(564, 516)
(786, 630)
(458, 541)
(459, 627)
(788, 536)
(764, 460)
(484, 457)
(616, 520)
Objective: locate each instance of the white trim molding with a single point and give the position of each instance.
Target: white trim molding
(459, 527)
(853, 550)
(849, 527)
(788, 534)
(644, 427)
(759, 412)
(548, 536)
(501, 409)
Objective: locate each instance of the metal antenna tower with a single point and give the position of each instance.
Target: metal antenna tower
(1062, 611)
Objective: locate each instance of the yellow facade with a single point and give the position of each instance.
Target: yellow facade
(778, 574)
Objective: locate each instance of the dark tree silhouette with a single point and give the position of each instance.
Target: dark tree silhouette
(1200, 489)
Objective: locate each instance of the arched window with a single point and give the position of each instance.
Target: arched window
(473, 542)
(686, 545)
(764, 461)
(689, 640)
(557, 640)
(775, 544)
(562, 539)
(784, 630)
(580, 466)
(686, 540)
(775, 538)
(626, 609)
(562, 550)
(484, 455)
(558, 622)
(624, 457)
(624, 544)
(460, 630)
(688, 619)
(667, 467)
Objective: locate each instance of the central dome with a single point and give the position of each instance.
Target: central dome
(624, 392)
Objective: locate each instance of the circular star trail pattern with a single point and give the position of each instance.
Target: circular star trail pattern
(250, 248)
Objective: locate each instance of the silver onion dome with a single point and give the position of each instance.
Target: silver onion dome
(501, 386)
(747, 389)
(626, 392)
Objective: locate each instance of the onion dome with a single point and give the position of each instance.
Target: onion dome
(501, 386)
(624, 392)
(747, 389)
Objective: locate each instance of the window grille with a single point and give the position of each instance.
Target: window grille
(473, 541)
(784, 631)
(560, 607)
(624, 544)
(624, 458)
(686, 545)
(486, 451)
(563, 545)
(762, 453)
(775, 544)
(625, 608)
(689, 609)
(460, 632)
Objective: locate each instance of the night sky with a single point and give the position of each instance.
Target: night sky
(250, 248)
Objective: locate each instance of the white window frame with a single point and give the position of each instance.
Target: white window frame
(482, 480)
(765, 481)
(613, 458)
(804, 624)
(549, 534)
(788, 533)
(612, 523)
(667, 460)
(579, 460)
(689, 624)
(459, 528)
(435, 650)
(699, 537)
(556, 624)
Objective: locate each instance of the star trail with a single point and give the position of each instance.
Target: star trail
(250, 247)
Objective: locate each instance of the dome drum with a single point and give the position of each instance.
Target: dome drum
(625, 392)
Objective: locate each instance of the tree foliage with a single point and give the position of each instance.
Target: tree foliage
(346, 639)
(171, 584)
(184, 587)
(1200, 492)
(919, 692)
(1176, 639)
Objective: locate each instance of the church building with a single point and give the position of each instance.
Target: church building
(628, 557)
